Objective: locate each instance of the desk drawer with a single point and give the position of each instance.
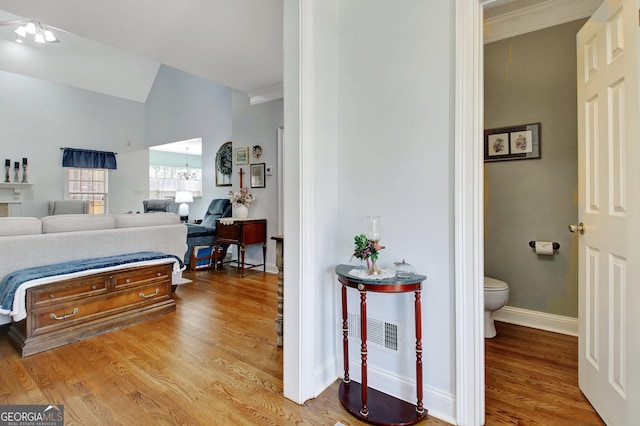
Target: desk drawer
(68, 290)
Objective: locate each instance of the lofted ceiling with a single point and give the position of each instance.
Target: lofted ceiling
(116, 46)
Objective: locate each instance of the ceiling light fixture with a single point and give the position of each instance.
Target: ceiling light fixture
(187, 174)
(41, 33)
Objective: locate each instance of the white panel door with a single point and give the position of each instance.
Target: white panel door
(609, 208)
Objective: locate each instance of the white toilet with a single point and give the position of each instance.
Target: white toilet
(496, 295)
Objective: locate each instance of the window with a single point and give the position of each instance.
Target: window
(89, 184)
(164, 181)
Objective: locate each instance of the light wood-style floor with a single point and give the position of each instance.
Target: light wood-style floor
(215, 362)
(532, 379)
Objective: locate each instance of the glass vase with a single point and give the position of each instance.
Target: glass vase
(374, 233)
(372, 268)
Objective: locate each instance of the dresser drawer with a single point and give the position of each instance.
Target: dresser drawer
(48, 318)
(139, 276)
(229, 232)
(62, 291)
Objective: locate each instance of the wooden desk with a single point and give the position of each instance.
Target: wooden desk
(242, 232)
(355, 397)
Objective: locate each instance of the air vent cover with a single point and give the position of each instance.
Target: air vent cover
(380, 333)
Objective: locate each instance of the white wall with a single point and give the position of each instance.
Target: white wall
(38, 117)
(256, 125)
(386, 98)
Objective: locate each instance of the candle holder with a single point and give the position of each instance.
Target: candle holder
(24, 174)
(7, 174)
(16, 174)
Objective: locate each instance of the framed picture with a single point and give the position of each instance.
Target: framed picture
(257, 175)
(224, 164)
(512, 143)
(241, 155)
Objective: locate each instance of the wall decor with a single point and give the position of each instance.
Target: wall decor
(512, 143)
(256, 151)
(241, 155)
(224, 164)
(257, 175)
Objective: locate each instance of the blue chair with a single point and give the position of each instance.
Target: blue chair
(204, 233)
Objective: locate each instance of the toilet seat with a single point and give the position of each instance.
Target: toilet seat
(492, 284)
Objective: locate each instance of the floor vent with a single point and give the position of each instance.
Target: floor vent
(380, 333)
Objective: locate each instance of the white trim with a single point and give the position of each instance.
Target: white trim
(536, 17)
(294, 374)
(468, 189)
(540, 320)
(280, 176)
(266, 94)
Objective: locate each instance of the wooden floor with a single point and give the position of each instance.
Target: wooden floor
(215, 362)
(532, 379)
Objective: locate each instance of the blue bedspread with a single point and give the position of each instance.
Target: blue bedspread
(12, 281)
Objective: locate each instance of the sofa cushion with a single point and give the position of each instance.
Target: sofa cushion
(148, 219)
(20, 226)
(77, 222)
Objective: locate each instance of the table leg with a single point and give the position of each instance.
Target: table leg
(418, 309)
(242, 250)
(363, 352)
(264, 257)
(345, 335)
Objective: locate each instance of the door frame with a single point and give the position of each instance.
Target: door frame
(469, 219)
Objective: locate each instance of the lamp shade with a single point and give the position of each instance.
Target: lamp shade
(184, 197)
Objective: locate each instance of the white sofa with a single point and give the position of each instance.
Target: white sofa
(27, 242)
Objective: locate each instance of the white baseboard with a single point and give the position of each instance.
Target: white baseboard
(539, 320)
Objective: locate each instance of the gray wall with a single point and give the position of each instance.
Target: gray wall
(256, 125)
(38, 117)
(182, 106)
(532, 78)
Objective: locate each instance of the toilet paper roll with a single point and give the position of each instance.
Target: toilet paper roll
(544, 247)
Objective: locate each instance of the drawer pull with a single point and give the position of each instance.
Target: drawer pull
(127, 280)
(51, 296)
(93, 287)
(147, 296)
(64, 317)
(158, 274)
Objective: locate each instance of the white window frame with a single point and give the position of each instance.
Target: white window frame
(98, 200)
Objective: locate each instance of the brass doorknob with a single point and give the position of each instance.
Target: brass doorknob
(577, 228)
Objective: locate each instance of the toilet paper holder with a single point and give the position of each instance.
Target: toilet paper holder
(532, 244)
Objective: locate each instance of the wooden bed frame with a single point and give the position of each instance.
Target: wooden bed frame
(69, 310)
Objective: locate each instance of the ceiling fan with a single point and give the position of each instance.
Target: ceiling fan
(41, 33)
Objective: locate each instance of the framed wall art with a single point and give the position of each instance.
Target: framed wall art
(241, 155)
(257, 175)
(512, 143)
(224, 164)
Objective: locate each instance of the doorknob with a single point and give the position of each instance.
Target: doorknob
(577, 228)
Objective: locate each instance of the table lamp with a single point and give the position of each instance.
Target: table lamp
(184, 197)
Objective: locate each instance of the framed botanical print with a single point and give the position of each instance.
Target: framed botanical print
(512, 143)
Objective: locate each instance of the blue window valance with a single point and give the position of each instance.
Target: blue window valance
(88, 159)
